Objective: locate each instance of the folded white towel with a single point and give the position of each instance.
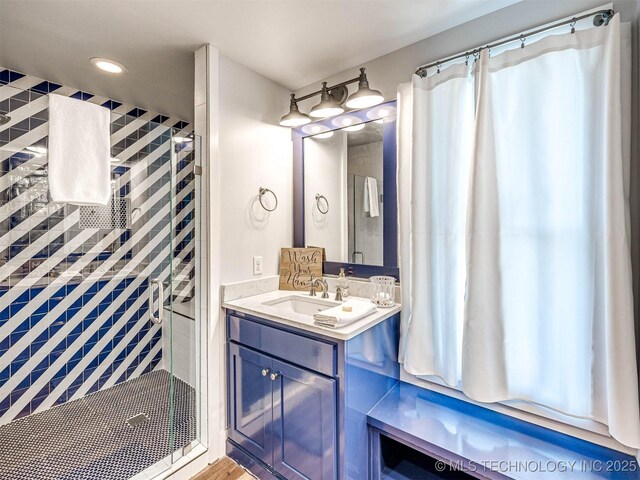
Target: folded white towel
(334, 317)
(371, 205)
(79, 151)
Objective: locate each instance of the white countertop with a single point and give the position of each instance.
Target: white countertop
(253, 305)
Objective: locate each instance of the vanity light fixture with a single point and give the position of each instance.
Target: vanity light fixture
(328, 107)
(331, 101)
(107, 65)
(365, 97)
(294, 118)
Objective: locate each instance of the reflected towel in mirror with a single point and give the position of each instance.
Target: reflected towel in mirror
(370, 206)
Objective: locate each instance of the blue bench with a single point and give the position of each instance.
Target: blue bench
(436, 436)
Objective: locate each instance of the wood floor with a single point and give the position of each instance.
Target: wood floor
(224, 469)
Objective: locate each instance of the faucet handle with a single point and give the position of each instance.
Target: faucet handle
(325, 288)
(312, 292)
(338, 294)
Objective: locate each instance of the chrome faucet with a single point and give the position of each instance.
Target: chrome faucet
(323, 284)
(338, 294)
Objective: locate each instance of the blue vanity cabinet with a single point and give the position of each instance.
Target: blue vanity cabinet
(304, 423)
(250, 393)
(297, 401)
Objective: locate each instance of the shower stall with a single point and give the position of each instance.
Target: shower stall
(99, 310)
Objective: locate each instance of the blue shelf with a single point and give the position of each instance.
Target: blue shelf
(458, 431)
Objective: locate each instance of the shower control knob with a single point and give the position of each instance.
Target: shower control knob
(274, 376)
(265, 372)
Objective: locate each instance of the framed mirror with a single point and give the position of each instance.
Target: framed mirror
(345, 193)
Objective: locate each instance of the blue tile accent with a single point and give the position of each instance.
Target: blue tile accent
(46, 87)
(111, 104)
(15, 337)
(23, 327)
(160, 119)
(5, 403)
(82, 95)
(4, 375)
(137, 112)
(8, 76)
(24, 355)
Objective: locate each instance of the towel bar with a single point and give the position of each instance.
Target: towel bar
(318, 199)
(262, 192)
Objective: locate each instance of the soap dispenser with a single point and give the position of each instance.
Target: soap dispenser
(343, 283)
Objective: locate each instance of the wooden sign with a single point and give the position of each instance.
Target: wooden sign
(299, 267)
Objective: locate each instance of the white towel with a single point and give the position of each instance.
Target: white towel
(371, 205)
(336, 317)
(79, 151)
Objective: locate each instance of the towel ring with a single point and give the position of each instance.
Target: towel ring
(262, 192)
(322, 197)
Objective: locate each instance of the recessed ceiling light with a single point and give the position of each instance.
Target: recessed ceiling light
(108, 65)
(182, 139)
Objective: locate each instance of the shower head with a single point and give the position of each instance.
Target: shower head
(4, 118)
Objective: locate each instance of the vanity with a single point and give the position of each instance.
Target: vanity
(299, 394)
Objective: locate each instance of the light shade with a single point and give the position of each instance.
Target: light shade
(294, 118)
(327, 106)
(365, 96)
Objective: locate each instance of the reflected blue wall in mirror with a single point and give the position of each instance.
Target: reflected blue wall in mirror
(389, 206)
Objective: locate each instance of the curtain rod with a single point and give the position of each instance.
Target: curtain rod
(601, 17)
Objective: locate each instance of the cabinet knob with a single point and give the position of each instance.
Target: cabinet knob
(265, 372)
(274, 376)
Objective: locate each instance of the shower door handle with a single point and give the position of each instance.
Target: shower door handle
(152, 317)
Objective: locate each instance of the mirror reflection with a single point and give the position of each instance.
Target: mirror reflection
(343, 180)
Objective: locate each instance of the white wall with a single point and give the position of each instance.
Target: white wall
(325, 165)
(254, 152)
(237, 112)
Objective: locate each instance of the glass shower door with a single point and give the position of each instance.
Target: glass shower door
(82, 325)
(185, 327)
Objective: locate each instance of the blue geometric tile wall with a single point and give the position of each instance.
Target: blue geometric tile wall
(73, 302)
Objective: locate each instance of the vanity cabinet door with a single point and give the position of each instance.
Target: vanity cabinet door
(304, 423)
(250, 401)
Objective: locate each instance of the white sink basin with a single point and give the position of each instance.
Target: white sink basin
(303, 305)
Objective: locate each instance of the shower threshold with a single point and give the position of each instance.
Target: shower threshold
(93, 438)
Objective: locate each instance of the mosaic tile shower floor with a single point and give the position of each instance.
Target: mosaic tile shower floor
(90, 439)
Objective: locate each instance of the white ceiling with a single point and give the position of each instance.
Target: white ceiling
(292, 42)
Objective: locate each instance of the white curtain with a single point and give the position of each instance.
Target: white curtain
(433, 167)
(548, 308)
